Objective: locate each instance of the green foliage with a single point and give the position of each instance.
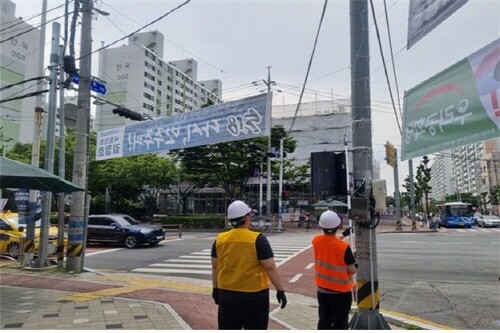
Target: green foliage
(495, 195)
(423, 180)
(195, 222)
(231, 164)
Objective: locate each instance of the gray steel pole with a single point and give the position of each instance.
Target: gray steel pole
(367, 316)
(37, 132)
(412, 191)
(397, 196)
(77, 211)
(280, 200)
(49, 152)
(62, 160)
(269, 179)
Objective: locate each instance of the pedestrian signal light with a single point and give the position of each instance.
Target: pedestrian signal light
(390, 154)
(285, 195)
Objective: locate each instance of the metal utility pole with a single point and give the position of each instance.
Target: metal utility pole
(42, 260)
(280, 199)
(35, 150)
(77, 211)
(397, 196)
(269, 179)
(367, 316)
(412, 191)
(62, 160)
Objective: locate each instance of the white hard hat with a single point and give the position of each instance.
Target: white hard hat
(237, 209)
(329, 220)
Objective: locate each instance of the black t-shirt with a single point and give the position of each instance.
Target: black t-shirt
(264, 251)
(349, 256)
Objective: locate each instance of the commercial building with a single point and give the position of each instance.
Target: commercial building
(138, 79)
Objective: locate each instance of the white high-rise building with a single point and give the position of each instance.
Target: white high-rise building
(468, 169)
(18, 62)
(138, 79)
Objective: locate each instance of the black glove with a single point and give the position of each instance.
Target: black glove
(346, 232)
(280, 295)
(215, 295)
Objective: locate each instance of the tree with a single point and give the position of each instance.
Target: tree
(405, 196)
(423, 179)
(230, 165)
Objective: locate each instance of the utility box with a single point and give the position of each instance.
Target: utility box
(379, 189)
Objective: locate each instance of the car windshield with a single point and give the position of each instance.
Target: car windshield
(492, 217)
(128, 220)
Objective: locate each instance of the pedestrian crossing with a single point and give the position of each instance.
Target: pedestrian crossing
(199, 263)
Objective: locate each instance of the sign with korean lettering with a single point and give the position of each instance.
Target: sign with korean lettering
(457, 107)
(231, 121)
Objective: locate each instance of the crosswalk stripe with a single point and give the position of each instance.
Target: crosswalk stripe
(163, 270)
(182, 265)
(192, 261)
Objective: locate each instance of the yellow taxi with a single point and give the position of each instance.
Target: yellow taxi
(11, 232)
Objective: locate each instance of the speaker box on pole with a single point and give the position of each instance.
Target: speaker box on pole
(328, 174)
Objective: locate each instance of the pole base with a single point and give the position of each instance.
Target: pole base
(368, 320)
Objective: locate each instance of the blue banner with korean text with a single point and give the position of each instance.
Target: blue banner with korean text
(231, 121)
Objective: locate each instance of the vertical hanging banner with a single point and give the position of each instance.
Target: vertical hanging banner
(457, 107)
(231, 121)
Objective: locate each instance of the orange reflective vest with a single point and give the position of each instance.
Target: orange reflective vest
(238, 268)
(330, 268)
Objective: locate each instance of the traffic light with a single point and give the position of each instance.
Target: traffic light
(390, 154)
(123, 112)
(285, 195)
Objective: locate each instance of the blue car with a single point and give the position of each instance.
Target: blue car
(122, 229)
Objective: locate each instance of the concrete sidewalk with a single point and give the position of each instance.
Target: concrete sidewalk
(53, 299)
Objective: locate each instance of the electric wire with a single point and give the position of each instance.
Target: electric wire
(28, 19)
(310, 63)
(392, 58)
(24, 96)
(137, 30)
(385, 67)
(22, 82)
(31, 29)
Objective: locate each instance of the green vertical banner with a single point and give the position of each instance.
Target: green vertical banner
(457, 107)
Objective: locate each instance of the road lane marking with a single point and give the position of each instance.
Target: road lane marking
(311, 265)
(182, 265)
(88, 254)
(295, 278)
(166, 270)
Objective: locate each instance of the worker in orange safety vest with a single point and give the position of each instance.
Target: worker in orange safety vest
(334, 265)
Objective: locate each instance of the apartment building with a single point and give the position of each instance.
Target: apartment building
(18, 62)
(468, 169)
(139, 79)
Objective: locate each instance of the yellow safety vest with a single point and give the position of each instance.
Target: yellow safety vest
(330, 268)
(238, 268)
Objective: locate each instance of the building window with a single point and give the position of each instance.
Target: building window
(149, 86)
(148, 107)
(149, 76)
(151, 67)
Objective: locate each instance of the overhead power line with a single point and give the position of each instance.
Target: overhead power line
(31, 29)
(309, 65)
(22, 82)
(385, 67)
(24, 96)
(28, 19)
(136, 31)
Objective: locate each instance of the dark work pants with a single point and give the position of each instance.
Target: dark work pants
(334, 311)
(248, 315)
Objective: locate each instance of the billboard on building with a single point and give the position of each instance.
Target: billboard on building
(232, 121)
(425, 15)
(456, 107)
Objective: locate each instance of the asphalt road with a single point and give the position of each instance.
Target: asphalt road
(450, 277)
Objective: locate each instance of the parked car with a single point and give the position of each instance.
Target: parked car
(122, 229)
(488, 221)
(11, 232)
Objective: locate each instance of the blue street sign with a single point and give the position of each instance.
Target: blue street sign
(96, 86)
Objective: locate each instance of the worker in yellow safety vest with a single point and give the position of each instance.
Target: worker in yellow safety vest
(242, 265)
(334, 265)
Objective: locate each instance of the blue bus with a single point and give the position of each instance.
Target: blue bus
(456, 214)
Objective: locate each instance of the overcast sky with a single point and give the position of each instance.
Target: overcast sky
(235, 40)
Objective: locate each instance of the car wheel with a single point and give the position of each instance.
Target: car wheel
(130, 242)
(13, 250)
